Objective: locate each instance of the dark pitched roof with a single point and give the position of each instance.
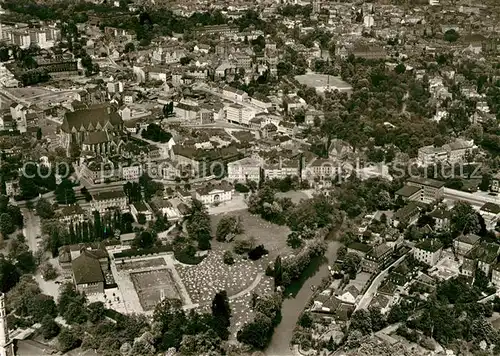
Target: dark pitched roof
(440, 214)
(407, 211)
(93, 116)
(380, 250)
(358, 246)
(72, 210)
(491, 208)
(485, 252)
(430, 245)
(87, 269)
(96, 137)
(470, 239)
(115, 194)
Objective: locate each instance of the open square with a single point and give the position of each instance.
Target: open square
(153, 286)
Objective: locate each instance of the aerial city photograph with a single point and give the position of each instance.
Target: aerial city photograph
(250, 178)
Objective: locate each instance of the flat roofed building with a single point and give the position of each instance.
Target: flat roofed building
(431, 190)
(244, 170)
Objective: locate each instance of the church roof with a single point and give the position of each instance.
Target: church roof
(90, 118)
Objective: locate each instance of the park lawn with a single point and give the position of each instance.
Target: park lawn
(295, 195)
(272, 236)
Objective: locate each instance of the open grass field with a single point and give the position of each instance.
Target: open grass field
(151, 286)
(295, 195)
(272, 236)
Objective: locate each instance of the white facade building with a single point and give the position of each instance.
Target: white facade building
(244, 169)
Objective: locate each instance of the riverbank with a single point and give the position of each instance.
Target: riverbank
(292, 307)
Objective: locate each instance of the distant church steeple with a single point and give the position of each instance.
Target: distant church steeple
(6, 345)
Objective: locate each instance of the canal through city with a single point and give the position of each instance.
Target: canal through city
(297, 296)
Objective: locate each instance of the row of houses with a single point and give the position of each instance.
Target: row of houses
(105, 201)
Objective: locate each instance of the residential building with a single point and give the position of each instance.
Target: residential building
(465, 243)
(12, 188)
(375, 260)
(320, 169)
(428, 251)
(72, 214)
(442, 218)
(109, 200)
(407, 215)
(131, 173)
(234, 94)
(483, 256)
(490, 213)
(282, 169)
(495, 275)
(495, 183)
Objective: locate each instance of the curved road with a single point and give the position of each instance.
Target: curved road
(293, 307)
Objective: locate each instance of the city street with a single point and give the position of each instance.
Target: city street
(477, 198)
(31, 228)
(372, 290)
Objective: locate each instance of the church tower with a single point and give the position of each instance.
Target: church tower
(6, 346)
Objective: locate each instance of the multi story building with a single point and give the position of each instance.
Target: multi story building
(407, 215)
(109, 200)
(429, 190)
(495, 275)
(375, 260)
(239, 114)
(320, 169)
(465, 243)
(131, 173)
(282, 169)
(72, 214)
(450, 153)
(442, 218)
(141, 208)
(428, 251)
(234, 94)
(483, 256)
(244, 170)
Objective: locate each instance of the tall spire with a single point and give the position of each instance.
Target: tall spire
(6, 347)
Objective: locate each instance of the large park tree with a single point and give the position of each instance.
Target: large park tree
(221, 312)
(464, 219)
